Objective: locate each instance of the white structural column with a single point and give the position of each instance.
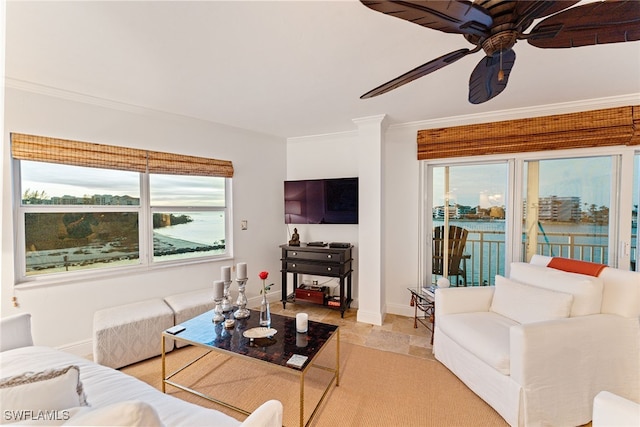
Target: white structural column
(371, 289)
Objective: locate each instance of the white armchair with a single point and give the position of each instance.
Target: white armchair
(610, 410)
(540, 345)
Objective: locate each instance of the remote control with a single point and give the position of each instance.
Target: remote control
(175, 329)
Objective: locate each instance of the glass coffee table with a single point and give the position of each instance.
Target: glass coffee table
(275, 350)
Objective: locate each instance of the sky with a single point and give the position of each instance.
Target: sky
(167, 190)
(486, 185)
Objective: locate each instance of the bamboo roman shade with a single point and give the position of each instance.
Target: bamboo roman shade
(52, 150)
(612, 126)
(188, 165)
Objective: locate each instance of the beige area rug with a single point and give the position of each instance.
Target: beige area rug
(377, 388)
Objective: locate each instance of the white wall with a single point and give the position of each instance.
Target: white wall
(402, 235)
(62, 314)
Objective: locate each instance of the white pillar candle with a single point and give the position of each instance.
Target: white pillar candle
(225, 272)
(302, 322)
(241, 270)
(218, 289)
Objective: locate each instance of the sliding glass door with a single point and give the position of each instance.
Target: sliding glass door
(470, 198)
(580, 204)
(566, 208)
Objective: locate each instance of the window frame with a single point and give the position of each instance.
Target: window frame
(145, 234)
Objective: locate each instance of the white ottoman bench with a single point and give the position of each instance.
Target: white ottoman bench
(130, 333)
(190, 304)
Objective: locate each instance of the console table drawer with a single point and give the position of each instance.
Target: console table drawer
(319, 269)
(315, 256)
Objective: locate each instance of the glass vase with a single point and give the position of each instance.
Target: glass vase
(265, 312)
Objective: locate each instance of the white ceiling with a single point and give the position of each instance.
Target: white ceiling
(286, 68)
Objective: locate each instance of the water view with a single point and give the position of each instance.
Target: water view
(74, 241)
(486, 245)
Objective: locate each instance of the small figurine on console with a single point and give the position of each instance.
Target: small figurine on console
(295, 238)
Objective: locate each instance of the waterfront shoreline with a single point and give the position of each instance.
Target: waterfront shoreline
(83, 257)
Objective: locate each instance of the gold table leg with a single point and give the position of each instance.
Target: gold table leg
(164, 369)
(302, 399)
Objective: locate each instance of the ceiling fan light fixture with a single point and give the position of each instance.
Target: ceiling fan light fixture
(499, 42)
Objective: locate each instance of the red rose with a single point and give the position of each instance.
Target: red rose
(263, 275)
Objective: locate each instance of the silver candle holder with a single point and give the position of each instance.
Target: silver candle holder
(218, 317)
(242, 312)
(226, 299)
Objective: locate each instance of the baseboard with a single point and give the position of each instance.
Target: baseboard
(401, 309)
(373, 318)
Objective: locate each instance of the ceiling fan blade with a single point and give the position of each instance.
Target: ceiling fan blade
(418, 72)
(454, 16)
(589, 24)
(527, 10)
(484, 83)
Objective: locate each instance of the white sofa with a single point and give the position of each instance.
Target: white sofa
(113, 397)
(541, 344)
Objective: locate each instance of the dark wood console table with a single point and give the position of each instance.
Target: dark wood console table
(317, 261)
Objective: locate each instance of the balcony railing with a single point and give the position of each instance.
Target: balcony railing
(486, 250)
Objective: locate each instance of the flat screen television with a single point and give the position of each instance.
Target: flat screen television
(321, 201)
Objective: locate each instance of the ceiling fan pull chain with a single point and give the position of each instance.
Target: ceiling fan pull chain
(501, 71)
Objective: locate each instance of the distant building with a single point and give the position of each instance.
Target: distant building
(455, 212)
(497, 212)
(560, 209)
(96, 199)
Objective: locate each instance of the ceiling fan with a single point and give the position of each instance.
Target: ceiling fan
(495, 26)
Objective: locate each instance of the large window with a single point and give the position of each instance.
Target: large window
(72, 218)
(580, 204)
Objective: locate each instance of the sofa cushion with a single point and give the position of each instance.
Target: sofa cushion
(31, 393)
(132, 413)
(586, 290)
(528, 304)
(485, 334)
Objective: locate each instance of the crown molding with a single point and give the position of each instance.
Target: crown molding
(323, 136)
(78, 97)
(67, 95)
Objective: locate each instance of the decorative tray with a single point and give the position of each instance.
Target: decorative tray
(260, 332)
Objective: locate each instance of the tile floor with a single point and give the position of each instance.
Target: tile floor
(397, 333)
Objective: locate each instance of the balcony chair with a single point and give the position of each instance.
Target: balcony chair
(457, 258)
